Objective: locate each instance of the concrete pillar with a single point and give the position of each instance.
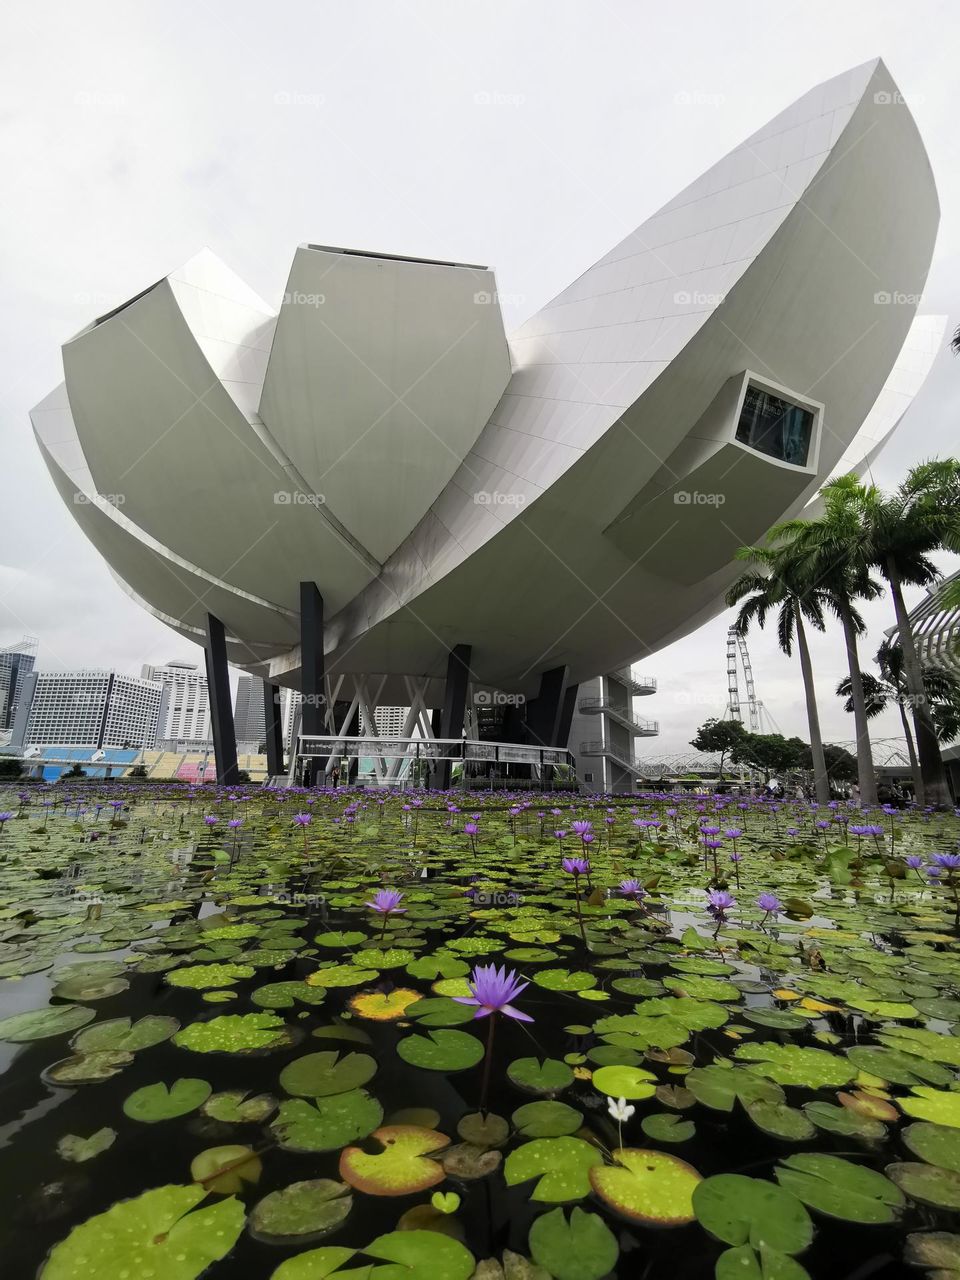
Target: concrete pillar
(311, 658)
(454, 701)
(273, 729)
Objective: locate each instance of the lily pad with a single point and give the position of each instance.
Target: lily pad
(581, 1248)
(153, 1232)
(155, 1102)
(225, 1171)
(840, 1189)
(441, 1050)
(236, 1107)
(536, 1075)
(934, 1105)
(200, 977)
(791, 1064)
(625, 1082)
(483, 1130)
(326, 1124)
(647, 1186)
(935, 1143)
(86, 1068)
(927, 1184)
(381, 1006)
(125, 1036)
(236, 1033)
(284, 995)
(547, 1120)
(39, 1024)
(79, 1150)
(402, 1167)
(561, 1165)
(301, 1212)
(667, 1126)
(320, 1075)
(738, 1210)
(781, 1121)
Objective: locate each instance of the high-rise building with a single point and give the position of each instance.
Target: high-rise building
(390, 721)
(186, 717)
(94, 709)
(16, 664)
(248, 718)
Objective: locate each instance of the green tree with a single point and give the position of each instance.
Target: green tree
(841, 765)
(900, 530)
(718, 736)
(825, 554)
(769, 753)
(774, 584)
(10, 767)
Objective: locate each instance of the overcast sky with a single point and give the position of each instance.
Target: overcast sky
(528, 134)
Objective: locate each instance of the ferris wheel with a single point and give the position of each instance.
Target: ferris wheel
(759, 719)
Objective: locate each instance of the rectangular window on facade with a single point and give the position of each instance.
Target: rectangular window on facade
(775, 426)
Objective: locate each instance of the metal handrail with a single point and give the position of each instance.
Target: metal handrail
(431, 749)
(629, 762)
(593, 706)
(639, 685)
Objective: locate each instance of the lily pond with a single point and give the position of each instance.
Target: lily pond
(423, 1036)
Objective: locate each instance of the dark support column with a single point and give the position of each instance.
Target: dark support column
(221, 712)
(454, 701)
(273, 729)
(311, 658)
(567, 709)
(436, 719)
(543, 719)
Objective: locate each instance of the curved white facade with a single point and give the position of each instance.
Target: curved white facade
(574, 496)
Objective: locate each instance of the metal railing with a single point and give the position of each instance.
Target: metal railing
(624, 760)
(639, 686)
(431, 750)
(640, 728)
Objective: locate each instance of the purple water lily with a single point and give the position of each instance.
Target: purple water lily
(632, 889)
(387, 902)
(769, 903)
(576, 866)
(494, 991)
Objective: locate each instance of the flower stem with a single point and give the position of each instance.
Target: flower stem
(487, 1064)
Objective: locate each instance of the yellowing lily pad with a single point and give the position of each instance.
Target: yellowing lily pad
(401, 1168)
(647, 1186)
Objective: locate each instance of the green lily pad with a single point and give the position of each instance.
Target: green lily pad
(301, 1212)
(340, 940)
(155, 1102)
(581, 1248)
(896, 1067)
(935, 1143)
(561, 1165)
(39, 1024)
(79, 1150)
(934, 1105)
(547, 1120)
(441, 1011)
(326, 1124)
(86, 1068)
(625, 1082)
(564, 980)
(535, 1075)
(667, 1126)
(738, 1210)
(418, 1255)
(235, 1107)
(844, 1121)
(483, 1130)
(791, 1064)
(125, 1036)
(319, 1075)
(927, 1184)
(236, 1033)
(225, 1171)
(403, 1166)
(781, 1121)
(924, 1043)
(647, 1186)
(341, 975)
(441, 1050)
(839, 1188)
(200, 977)
(155, 1232)
(90, 988)
(741, 1263)
(284, 995)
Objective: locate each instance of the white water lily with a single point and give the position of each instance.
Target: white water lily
(619, 1110)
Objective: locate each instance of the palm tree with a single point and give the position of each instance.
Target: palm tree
(771, 586)
(900, 530)
(825, 555)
